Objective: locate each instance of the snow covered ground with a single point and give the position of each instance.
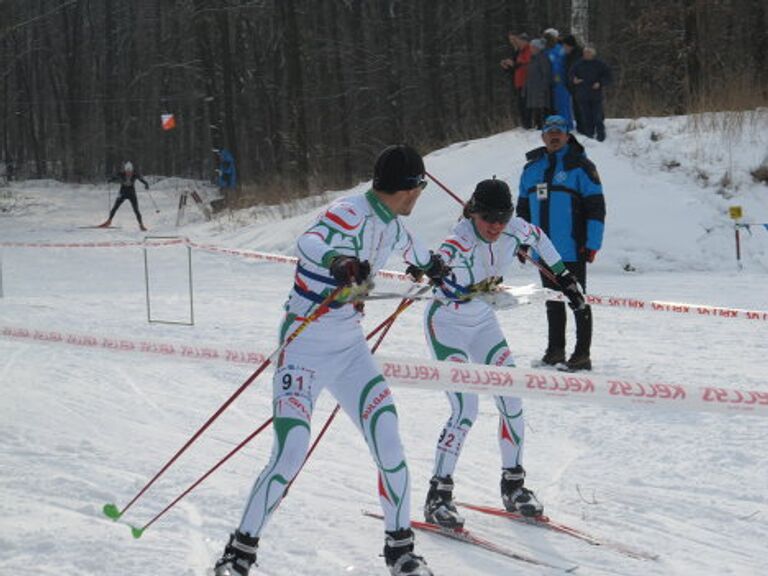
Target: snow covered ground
(84, 425)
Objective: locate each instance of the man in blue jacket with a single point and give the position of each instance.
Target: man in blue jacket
(560, 191)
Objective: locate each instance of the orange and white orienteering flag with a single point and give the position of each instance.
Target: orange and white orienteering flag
(168, 121)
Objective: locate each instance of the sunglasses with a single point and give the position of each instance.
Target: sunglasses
(500, 217)
(414, 182)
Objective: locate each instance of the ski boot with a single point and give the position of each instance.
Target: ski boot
(106, 224)
(239, 555)
(398, 553)
(439, 508)
(142, 228)
(515, 496)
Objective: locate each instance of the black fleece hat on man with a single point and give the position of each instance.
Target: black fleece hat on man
(397, 168)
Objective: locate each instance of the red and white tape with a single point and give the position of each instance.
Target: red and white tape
(153, 347)
(593, 299)
(592, 388)
(471, 378)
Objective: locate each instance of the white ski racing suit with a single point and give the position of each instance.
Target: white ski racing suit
(469, 332)
(332, 353)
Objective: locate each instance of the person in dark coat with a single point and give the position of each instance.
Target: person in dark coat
(589, 76)
(538, 84)
(561, 193)
(573, 53)
(127, 178)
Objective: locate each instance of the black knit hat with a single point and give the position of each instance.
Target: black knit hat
(397, 168)
(492, 195)
(492, 200)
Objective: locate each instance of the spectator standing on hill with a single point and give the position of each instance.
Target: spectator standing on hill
(538, 84)
(589, 77)
(560, 191)
(518, 67)
(127, 178)
(573, 53)
(561, 98)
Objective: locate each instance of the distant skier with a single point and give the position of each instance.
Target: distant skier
(348, 244)
(484, 242)
(127, 178)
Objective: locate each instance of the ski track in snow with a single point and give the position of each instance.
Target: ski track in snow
(80, 427)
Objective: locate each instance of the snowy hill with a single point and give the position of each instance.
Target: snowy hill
(92, 407)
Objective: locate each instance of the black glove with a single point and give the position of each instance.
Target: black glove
(522, 253)
(436, 270)
(350, 270)
(571, 288)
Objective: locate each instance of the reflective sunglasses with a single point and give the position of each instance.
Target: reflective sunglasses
(414, 182)
(496, 217)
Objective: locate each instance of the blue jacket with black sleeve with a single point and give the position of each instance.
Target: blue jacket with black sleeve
(561, 193)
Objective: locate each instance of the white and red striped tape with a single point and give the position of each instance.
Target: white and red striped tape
(582, 387)
(154, 347)
(471, 378)
(593, 299)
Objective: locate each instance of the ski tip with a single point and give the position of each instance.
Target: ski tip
(136, 532)
(111, 511)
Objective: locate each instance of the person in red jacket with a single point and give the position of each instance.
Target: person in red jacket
(518, 67)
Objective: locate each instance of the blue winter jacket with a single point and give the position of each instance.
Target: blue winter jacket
(562, 194)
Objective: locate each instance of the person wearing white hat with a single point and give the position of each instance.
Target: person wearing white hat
(127, 178)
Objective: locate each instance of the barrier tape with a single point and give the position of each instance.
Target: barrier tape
(592, 299)
(592, 388)
(116, 244)
(468, 378)
(167, 349)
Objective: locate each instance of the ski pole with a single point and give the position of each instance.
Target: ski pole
(112, 511)
(137, 532)
(157, 210)
(543, 269)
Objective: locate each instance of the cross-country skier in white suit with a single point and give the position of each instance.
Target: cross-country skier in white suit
(349, 242)
(484, 242)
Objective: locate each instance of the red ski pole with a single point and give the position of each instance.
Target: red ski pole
(386, 324)
(111, 510)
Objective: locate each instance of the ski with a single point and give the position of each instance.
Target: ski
(98, 226)
(549, 524)
(464, 535)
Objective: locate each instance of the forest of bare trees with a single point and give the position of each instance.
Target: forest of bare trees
(304, 93)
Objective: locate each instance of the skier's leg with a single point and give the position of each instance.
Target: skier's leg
(295, 389)
(366, 398)
(135, 204)
(118, 202)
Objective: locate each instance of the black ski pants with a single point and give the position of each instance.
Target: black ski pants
(130, 195)
(556, 314)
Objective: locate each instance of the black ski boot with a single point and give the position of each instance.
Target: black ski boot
(439, 508)
(239, 555)
(398, 553)
(515, 496)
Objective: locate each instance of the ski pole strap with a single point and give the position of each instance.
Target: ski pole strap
(315, 297)
(315, 276)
